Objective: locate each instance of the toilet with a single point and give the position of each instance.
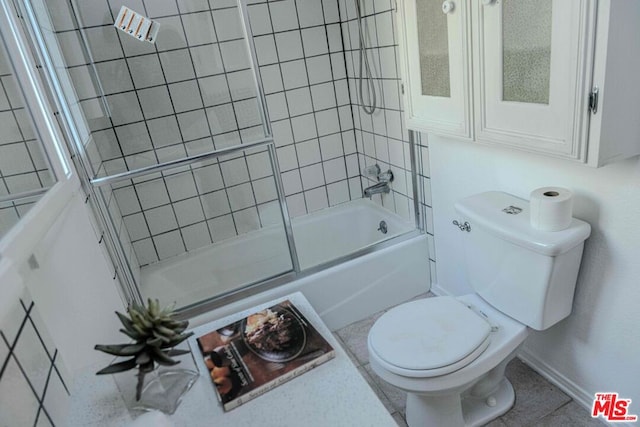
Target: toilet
(449, 353)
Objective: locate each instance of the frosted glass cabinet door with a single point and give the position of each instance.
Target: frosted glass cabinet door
(529, 73)
(436, 63)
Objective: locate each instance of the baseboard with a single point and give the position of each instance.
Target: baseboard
(577, 393)
(581, 396)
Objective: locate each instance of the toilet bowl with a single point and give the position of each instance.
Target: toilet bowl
(449, 353)
(463, 386)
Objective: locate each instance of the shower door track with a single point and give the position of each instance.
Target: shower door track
(207, 305)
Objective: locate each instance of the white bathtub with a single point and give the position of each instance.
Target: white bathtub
(331, 233)
(341, 294)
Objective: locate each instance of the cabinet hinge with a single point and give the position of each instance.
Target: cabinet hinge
(593, 100)
(402, 88)
(395, 5)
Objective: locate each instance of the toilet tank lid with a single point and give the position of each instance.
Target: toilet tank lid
(486, 210)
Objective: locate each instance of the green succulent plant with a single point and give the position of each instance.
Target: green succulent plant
(155, 333)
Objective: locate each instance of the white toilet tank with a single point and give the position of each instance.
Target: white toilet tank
(525, 273)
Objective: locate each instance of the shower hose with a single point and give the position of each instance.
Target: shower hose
(364, 72)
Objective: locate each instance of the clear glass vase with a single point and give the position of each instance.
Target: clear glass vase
(162, 390)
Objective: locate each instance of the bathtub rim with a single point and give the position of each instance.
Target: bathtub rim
(205, 306)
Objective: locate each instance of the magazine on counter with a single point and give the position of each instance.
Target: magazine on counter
(261, 351)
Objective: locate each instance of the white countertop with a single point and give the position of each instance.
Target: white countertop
(332, 394)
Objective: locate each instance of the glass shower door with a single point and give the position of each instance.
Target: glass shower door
(174, 141)
(203, 226)
(25, 170)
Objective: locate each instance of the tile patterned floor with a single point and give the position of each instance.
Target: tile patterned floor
(538, 402)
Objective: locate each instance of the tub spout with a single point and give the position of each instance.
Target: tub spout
(379, 188)
(384, 178)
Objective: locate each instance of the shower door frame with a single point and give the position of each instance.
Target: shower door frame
(92, 184)
(18, 243)
(130, 290)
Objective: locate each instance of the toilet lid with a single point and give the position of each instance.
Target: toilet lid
(429, 334)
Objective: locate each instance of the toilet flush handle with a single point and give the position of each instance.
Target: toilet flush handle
(463, 227)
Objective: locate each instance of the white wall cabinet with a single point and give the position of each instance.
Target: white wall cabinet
(436, 67)
(520, 73)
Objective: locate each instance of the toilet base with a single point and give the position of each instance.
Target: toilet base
(454, 411)
(478, 411)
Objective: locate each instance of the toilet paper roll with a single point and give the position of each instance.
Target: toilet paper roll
(551, 208)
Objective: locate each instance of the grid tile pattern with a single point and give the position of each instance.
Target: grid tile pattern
(33, 389)
(23, 166)
(301, 60)
(189, 208)
(382, 138)
(192, 92)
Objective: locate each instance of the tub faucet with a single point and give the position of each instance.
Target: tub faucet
(381, 187)
(384, 178)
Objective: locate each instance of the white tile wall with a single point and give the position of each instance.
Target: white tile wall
(196, 236)
(169, 99)
(169, 244)
(264, 191)
(383, 138)
(292, 182)
(270, 213)
(294, 74)
(289, 45)
(296, 204)
(304, 127)
(283, 15)
(312, 176)
(308, 152)
(316, 199)
(338, 193)
(222, 227)
(299, 101)
(315, 41)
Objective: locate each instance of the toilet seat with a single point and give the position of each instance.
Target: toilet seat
(429, 337)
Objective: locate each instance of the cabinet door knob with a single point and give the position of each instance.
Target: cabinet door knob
(488, 2)
(448, 7)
